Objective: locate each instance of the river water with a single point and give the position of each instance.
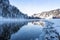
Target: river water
(30, 30)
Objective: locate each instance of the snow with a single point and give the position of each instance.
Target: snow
(50, 32)
(56, 24)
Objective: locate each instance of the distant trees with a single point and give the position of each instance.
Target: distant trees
(33, 17)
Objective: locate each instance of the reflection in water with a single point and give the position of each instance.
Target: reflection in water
(40, 23)
(6, 29)
(27, 32)
(48, 32)
(31, 31)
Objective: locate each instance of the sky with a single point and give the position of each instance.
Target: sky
(31, 7)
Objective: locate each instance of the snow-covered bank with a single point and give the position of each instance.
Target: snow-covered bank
(56, 24)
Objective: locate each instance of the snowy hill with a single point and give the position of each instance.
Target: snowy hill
(48, 14)
(9, 11)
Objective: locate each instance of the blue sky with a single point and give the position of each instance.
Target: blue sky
(35, 6)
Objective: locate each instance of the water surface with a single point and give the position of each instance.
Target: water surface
(31, 30)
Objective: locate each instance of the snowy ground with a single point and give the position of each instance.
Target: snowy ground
(56, 24)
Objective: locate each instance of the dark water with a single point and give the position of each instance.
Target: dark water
(35, 30)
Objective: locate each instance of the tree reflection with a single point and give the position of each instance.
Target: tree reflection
(6, 29)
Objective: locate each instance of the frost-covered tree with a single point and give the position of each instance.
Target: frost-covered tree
(9, 11)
